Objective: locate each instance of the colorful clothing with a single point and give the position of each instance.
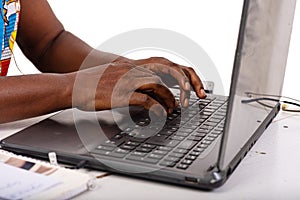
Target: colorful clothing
(10, 11)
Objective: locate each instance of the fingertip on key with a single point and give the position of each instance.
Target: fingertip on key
(186, 102)
(202, 93)
(187, 86)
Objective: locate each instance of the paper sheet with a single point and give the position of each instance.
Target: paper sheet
(16, 183)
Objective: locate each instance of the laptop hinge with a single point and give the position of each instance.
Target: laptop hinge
(215, 175)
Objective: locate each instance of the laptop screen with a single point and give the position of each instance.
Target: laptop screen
(259, 69)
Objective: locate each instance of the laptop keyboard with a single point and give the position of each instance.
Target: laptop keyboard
(185, 135)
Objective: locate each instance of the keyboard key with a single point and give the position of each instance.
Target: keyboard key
(155, 156)
(213, 135)
(177, 155)
(166, 132)
(220, 113)
(187, 162)
(194, 123)
(209, 110)
(217, 132)
(117, 137)
(176, 137)
(200, 134)
(157, 140)
(127, 147)
(142, 123)
(207, 127)
(164, 148)
(213, 107)
(137, 153)
(167, 163)
(195, 138)
(128, 130)
(203, 146)
(198, 149)
(111, 143)
(188, 144)
(218, 117)
(123, 151)
(193, 127)
(207, 114)
(204, 117)
(132, 143)
(186, 130)
(195, 153)
(149, 146)
(218, 129)
(191, 157)
(208, 123)
(181, 134)
(106, 148)
(182, 166)
(143, 150)
(172, 143)
(172, 129)
(214, 120)
(160, 152)
(136, 139)
(172, 159)
(202, 130)
(207, 142)
(209, 138)
(183, 151)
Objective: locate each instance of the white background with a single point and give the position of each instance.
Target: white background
(212, 24)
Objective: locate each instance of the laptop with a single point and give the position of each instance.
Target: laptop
(199, 146)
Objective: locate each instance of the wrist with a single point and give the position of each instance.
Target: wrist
(67, 84)
(122, 59)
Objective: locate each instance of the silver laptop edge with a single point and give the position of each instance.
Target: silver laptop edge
(263, 44)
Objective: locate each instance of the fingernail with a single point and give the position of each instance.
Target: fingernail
(187, 86)
(186, 102)
(170, 110)
(202, 93)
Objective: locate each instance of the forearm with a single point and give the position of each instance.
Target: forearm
(67, 53)
(33, 95)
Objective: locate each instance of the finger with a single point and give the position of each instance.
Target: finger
(156, 89)
(144, 100)
(176, 72)
(185, 98)
(195, 81)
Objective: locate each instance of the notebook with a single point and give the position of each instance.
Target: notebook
(199, 146)
(28, 178)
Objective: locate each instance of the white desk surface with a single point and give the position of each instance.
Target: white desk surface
(271, 170)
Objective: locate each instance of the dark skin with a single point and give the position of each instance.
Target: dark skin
(52, 90)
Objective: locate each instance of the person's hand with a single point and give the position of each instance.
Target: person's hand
(184, 76)
(118, 85)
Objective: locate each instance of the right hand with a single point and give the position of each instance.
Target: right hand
(127, 84)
